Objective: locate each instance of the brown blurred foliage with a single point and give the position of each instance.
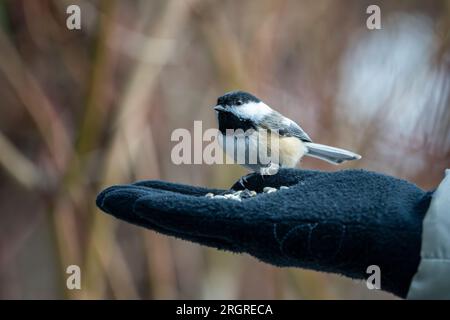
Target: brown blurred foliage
(84, 109)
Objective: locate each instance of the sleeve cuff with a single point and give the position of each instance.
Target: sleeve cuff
(432, 280)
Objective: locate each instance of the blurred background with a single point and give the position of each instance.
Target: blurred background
(83, 109)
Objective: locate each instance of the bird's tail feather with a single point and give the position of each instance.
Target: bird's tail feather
(330, 154)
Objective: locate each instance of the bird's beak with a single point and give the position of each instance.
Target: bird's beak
(219, 108)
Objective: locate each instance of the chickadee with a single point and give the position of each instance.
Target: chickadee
(239, 111)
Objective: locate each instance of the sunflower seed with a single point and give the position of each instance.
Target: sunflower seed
(269, 190)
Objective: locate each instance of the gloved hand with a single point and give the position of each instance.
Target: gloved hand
(338, 222)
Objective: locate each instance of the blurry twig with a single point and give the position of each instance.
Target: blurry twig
(16, 164)
(36, 102)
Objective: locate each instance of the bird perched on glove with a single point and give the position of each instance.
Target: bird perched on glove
(263, 140)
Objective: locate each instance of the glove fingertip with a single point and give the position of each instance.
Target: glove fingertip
(101, 197)
(119, 200)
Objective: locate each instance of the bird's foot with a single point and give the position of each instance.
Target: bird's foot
(243, 180)
(270, 170)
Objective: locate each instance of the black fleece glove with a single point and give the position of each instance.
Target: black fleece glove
(338, 222)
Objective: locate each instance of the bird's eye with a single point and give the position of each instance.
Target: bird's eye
(239, 103)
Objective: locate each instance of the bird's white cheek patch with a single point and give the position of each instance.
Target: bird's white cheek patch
(253, 110)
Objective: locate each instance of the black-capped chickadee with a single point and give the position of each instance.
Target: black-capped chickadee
(262, 128)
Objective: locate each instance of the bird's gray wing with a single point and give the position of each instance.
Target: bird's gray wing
(285, 126)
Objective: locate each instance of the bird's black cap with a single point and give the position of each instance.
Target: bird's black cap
(235, 98)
